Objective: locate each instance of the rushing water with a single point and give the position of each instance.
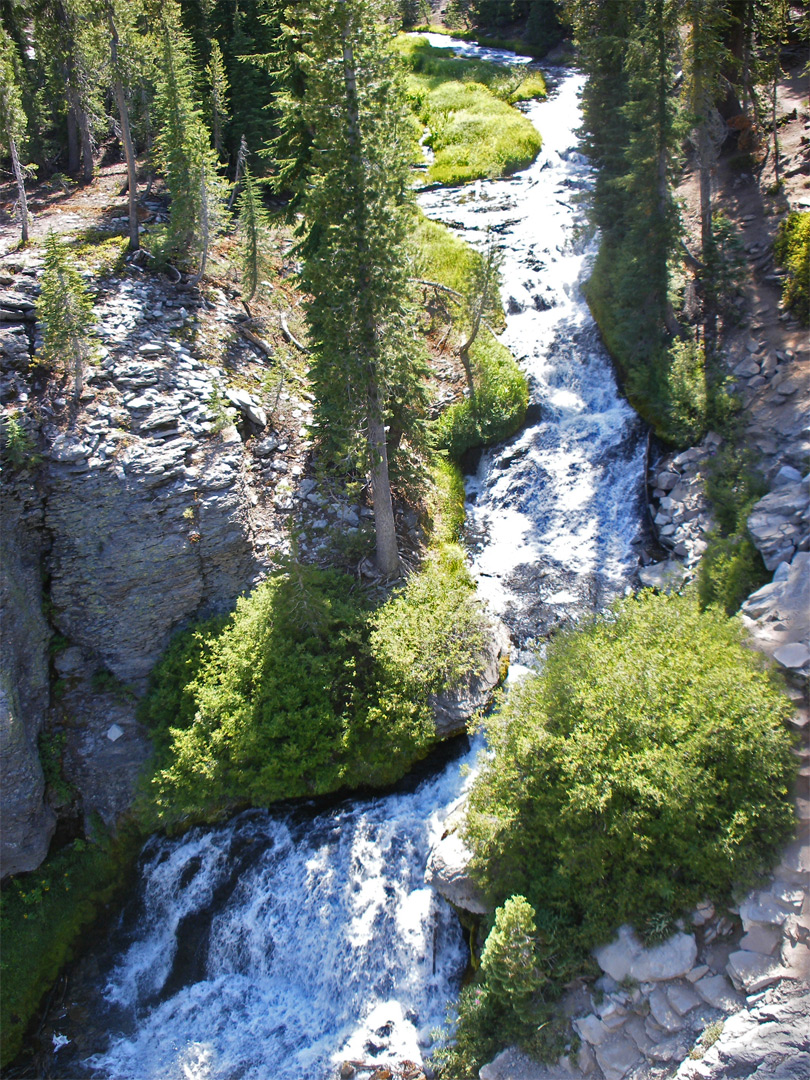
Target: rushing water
(282, 943)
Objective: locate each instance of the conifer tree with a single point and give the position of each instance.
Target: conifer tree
(509, 959)
(254, 223)
(65, 308)
(120, 16)
(13, 122)
(357, 211)
(183, 147)
(219, 88)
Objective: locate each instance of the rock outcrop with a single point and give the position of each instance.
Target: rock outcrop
(453, 709)
(28, 823)
(448, 866)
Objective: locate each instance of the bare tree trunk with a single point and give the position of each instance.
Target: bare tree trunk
(126, 137)
(83, 124)
(18, 176)
(241, 158)
(387, 554)
(775, 129)
(73, 143)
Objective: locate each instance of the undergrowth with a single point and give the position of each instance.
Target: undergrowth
(792, 252)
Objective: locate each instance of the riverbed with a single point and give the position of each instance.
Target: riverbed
(285, 942)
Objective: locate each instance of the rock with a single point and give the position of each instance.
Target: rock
(718, 992)
(28, 824)
(663, 576)
(787, 475)
(591, 1029)
(761, 907)
(682, 997)
(347, 1070)
(447, 868)
(771, 1042)
(666, 481)
(617, 1056)
(513, 1064)
(793, 655)
(752, 971)
(247, 406)
(626, 957)
(662, 1011)
(761, 939)
(114, 733)
(452, 709)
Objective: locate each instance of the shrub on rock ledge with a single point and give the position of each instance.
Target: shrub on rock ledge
(647, 767)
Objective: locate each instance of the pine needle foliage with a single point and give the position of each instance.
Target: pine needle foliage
(183, 148)
(65, 308)
(254, 225)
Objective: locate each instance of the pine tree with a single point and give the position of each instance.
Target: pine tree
(509, 957)
(13, 122)
(183, 148)
(121, 16)
(254, 223)
(219, 88)
(357, 210)
(65, 308)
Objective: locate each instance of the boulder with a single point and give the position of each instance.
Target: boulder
(617, 1056)
(452, 709)
(447, 868)
(626, 957)
(662, 576)
(247, 406)
(752, 972)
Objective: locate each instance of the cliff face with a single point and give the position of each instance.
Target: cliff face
(135, 520)
(28, 823)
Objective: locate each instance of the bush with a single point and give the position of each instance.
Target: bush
(502, 397)
(305, 689)
(792, 252)
(730, 570)
(647, 767)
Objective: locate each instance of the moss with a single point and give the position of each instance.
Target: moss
(43, 917)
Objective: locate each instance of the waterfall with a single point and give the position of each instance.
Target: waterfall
(285, 942)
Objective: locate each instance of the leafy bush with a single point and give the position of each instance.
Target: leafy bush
(305, 689)
(646, 767)
(792, 252)
(686, 383)
(501, 400)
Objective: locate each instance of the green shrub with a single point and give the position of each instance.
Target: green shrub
(792, 252)
(42, 916)
(686, 384)
(730, 570)
(305, 689)
(501, 400)
(17, 445)
(648, 766)
(467, 105)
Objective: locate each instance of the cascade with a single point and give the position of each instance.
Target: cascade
(287, 941)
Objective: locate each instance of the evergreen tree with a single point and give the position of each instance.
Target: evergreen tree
(183, 147)
(13, 122)
(219, 88)
(357, 211)
(509, 959)
(65, 308)
(254, 223)
(121, 17)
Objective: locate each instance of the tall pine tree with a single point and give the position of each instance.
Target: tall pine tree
(357, 211)
(13, 122)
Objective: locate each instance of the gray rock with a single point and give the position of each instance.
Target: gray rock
(787, 475)
(761, 939)
(751, 971)
(663, 576)
(793, 655)
(248, 406)
(682, 997)
(28, 824)
(718, 992)
(662, 1011)
(626, 957)
(447, 868)
(666, 481)
(617, 1055)
(761, 907)
(513, 1064)
(591, 1029)
(452, 709)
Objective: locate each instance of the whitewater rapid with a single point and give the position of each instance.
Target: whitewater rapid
(285, 942)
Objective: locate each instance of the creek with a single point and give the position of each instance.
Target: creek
(287, 941)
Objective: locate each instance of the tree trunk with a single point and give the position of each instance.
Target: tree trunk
(126, 137)
(72, 143)
(18, 176)
(387, 554)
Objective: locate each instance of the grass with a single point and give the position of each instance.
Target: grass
(467, 105)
